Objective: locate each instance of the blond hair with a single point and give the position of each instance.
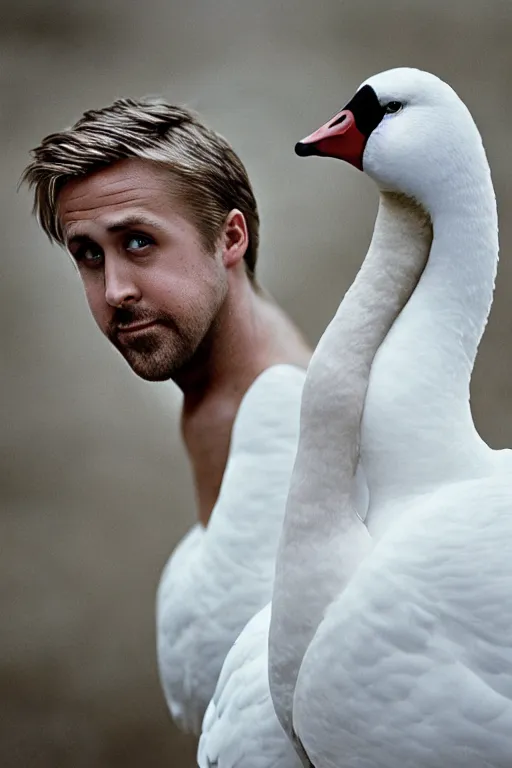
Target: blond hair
(210, 176)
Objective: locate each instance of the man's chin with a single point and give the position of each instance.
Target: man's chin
(153, 376)
(149, 372)
(151, 368)
(152, 361)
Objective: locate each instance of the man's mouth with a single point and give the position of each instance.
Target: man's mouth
(135, 327)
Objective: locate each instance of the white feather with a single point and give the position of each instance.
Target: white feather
(219, 577)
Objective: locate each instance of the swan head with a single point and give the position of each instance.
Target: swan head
(406, 129)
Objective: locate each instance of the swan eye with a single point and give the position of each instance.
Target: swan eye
(392, 107)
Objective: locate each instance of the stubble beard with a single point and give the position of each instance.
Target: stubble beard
(164, 351)
(154, 358)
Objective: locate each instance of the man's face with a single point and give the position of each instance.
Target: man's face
(152, 288)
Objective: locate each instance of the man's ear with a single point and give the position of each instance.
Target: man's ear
(234, 239)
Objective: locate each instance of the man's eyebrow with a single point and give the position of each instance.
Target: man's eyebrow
(134, 220)
(121, 225)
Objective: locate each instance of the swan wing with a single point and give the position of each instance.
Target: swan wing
(412, 664)
(240, 727)
(221, 576)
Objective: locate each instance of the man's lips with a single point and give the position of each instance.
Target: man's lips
(136, 327)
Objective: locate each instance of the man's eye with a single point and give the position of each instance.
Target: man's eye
(137, 242)
(91, 257)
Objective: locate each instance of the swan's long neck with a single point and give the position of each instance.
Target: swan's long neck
(323, 540)
(417, 405)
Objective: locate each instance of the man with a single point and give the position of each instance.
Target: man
(159, 216)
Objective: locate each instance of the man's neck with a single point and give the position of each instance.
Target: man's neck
(250, 335)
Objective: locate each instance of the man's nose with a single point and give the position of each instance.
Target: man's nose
(120, 286)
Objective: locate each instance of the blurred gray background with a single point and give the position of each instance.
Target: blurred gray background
(95, 487)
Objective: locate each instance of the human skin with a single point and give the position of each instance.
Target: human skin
(172, 307)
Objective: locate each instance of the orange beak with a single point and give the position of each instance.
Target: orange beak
(340, 138)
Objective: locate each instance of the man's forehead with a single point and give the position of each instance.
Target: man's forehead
(127, 184)
(123, 179)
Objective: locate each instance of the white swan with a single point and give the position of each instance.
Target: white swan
(406, 658)
(220, 576)
(240, 727)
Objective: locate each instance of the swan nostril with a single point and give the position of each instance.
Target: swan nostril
(340, 119)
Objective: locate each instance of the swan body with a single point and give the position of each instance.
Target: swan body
(404, 656)
(220, 576)
(422, 675)
(240, 727)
